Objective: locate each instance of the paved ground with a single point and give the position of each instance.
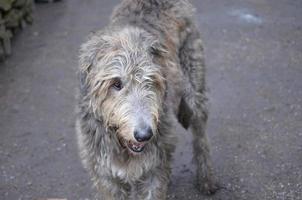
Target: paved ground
(254, 59)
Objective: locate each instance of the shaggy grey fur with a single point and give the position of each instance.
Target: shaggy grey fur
(154, 50)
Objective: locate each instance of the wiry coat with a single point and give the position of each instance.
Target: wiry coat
(153, 43)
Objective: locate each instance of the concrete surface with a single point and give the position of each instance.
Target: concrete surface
(253, 55)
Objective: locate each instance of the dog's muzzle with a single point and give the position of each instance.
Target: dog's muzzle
(142, 136)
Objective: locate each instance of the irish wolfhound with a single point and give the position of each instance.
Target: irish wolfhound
(137, 76)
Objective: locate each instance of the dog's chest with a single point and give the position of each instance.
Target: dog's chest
(118, 171)
(129, 171)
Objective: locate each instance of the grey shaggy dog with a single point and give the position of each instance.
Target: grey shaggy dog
(138, 77)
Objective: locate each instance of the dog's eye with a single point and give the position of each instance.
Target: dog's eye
(117, 84)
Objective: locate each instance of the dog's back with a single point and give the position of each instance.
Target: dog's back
(160, 17)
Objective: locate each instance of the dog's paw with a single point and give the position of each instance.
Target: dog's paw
(208, 187)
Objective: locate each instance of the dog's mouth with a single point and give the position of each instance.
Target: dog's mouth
(136, 147)
(132, 147)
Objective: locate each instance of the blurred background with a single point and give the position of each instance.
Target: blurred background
(254, 75)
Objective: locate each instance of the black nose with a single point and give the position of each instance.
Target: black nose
(143, 134)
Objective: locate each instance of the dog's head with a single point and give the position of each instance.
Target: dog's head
(125, 84)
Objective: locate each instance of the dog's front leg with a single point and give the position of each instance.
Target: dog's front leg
(112, 189)
(153, 186)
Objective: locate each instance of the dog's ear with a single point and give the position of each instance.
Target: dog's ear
(157, 49)
(90, 49)
(90, 52)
